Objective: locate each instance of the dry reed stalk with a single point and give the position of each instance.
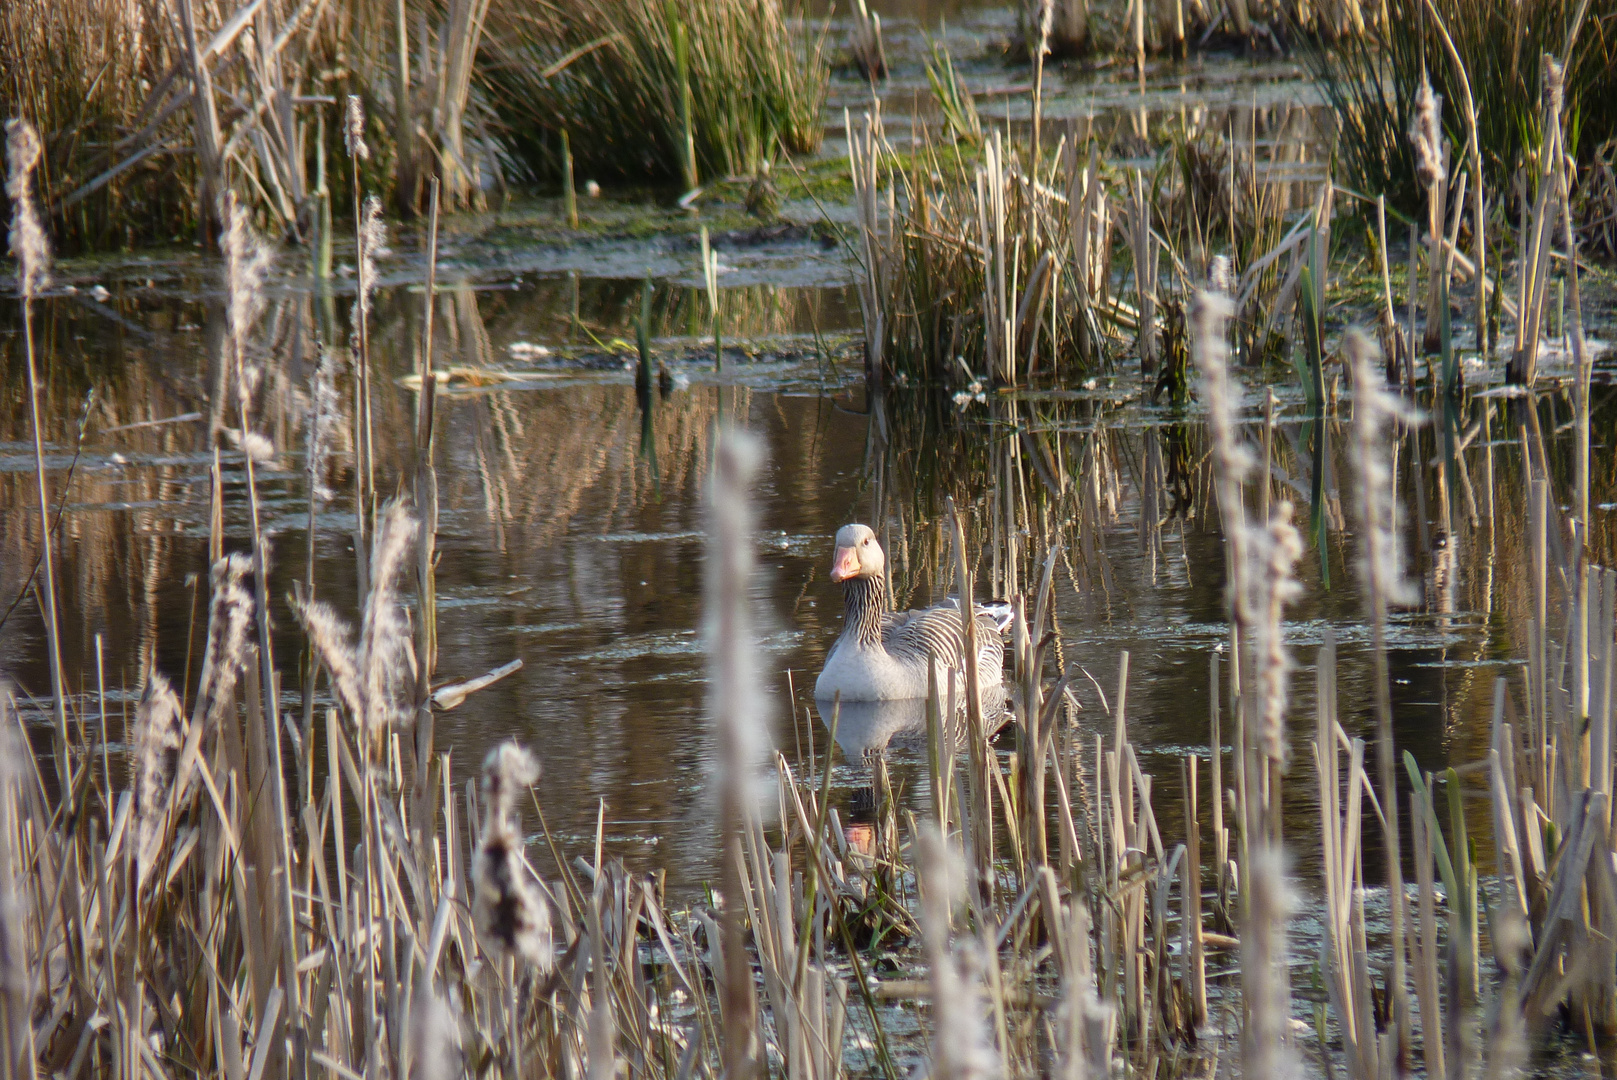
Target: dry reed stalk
(863, 153)
(869, 54)
(961, 1047)
(1536, 237)
(1266, 1046)
(1348, 968)
(999, 343)
(29, 248)
(1431, 164)
(18, 1051)
(1381, 570)
(424, 484)
(978, 792)
(1143, 244)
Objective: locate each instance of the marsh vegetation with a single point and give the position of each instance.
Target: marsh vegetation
(408, 660)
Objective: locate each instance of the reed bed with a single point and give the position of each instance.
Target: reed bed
(147, 123)
(986, 270)
(259, 892)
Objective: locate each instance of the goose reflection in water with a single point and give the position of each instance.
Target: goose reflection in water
(864, 732)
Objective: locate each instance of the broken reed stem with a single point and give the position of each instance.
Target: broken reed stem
(569, 191)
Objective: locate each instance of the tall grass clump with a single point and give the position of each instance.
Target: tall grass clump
(150, 116)
(1372, 82)
(988, 270)
(84, 74)
(689, 90)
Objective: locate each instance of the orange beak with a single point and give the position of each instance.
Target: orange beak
(845, 565)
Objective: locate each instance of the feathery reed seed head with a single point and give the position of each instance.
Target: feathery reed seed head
(375, 680)
(1211, 313)
(509, 770)
(331, 641)
(246, 263)
(1554, 91)
(28, 242)
(1426, 133)
(387, 661)
(508, 909)
(1380, 561)
(324, 411)
(354, 130)
(156, 736)
(372, 246)
(258, 447)
(229, 619)
(1273, 550)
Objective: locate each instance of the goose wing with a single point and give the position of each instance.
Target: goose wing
(935, 631)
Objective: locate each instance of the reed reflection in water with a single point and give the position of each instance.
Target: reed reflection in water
(570, 538)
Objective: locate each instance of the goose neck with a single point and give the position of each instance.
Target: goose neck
(865, 599)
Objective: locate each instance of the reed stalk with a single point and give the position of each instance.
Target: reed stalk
(569, 194)
(734, 706)
(424, 485)
(1381, 571)
(29, 248)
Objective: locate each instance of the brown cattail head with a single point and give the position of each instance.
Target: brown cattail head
(510, 913)
(354, 130)
(27, 234)
(1426, 132)
(155, 738)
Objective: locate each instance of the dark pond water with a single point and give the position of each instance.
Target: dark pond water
(571, 532)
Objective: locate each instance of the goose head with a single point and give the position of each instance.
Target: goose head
(858, 554)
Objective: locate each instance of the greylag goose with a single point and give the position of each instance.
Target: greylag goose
(882, 655)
